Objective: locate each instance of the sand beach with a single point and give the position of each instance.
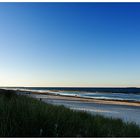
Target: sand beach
(127, 111)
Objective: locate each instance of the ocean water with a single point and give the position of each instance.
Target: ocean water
(127, 94)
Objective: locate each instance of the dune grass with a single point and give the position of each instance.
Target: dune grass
(22, 116)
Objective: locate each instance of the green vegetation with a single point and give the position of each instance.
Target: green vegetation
(22, 116)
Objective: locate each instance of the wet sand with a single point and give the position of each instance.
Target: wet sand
(127, 111)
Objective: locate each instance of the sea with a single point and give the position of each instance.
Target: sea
(123, 94)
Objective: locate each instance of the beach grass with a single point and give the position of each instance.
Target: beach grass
(23, 116)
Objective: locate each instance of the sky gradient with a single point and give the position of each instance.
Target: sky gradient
(70, 44)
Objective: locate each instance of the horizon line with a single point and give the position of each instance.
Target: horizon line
(66, 87)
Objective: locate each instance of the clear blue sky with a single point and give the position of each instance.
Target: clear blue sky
(70, 44)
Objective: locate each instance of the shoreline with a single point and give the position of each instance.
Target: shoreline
(99, 101)
(78, 98)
